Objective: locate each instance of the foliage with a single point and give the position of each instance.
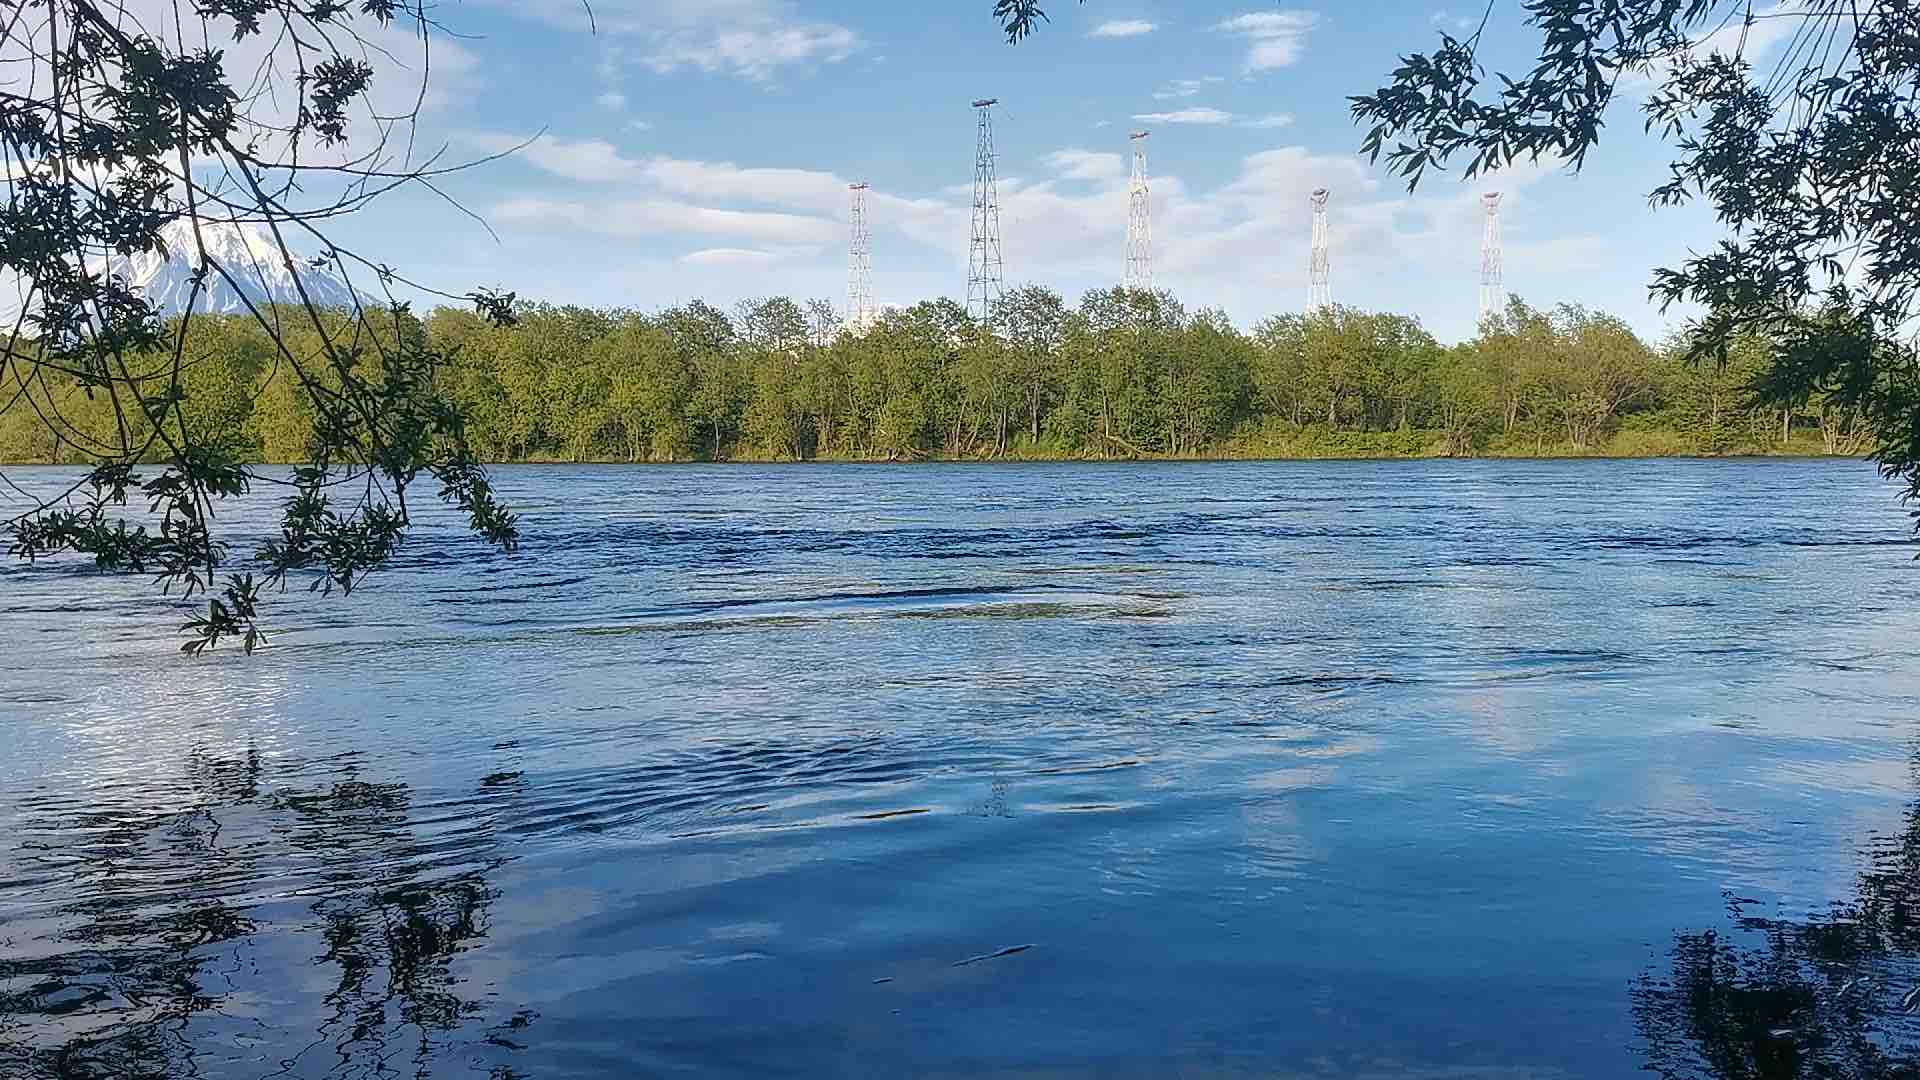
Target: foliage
(1813, 164)
(1121, 374)
(1019, 18)
(121, 139)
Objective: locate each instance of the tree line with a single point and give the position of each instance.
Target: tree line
(1123, 374)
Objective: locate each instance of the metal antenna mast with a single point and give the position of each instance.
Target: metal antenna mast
(985, 265)
(860, 262)
(1139, 220)
(1320, 296)
(1493, 287)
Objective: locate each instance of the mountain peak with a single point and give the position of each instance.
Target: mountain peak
(249, 256)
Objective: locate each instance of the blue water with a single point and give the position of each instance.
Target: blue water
(1346, 769)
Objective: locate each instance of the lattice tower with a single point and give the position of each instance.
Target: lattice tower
(986, 265)
(860, 313)
(1493, 286)
(1139, 273)
(1320, 271)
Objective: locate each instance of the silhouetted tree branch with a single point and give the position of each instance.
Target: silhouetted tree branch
(135, 130)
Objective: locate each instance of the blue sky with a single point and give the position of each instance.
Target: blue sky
(702, 148)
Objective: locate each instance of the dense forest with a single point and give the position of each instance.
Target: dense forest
(1124, 374)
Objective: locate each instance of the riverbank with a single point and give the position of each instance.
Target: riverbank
(1797, 452)
(1311, 445)
(1262, 443)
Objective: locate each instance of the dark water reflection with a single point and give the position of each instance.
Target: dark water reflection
(208, 926)
(1432, 770)
(1833, 994)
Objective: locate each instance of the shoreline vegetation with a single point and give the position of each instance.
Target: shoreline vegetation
(1124, 375)
(1803, 448)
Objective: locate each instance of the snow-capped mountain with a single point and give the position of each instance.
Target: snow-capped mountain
(248, 254)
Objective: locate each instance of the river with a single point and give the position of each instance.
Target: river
(1429, 769)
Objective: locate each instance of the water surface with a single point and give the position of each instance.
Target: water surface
(1364, 769)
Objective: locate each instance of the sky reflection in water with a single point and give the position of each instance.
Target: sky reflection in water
(1400, 769)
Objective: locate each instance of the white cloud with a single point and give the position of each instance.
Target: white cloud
(1771, 26)
(1559, 255)
(1186, 116)
(597, 161)
(1277, 38)
(589, 160)
(1734, 38)
(727, 182)
(634, 218)
(1242, 243)
(1124, 28)
(1286, 176)
(729, 257)
(1457, 23)
(1185, 88)
(612, 99)
(753, 51)
(752, 39)
(1087, 165)
(1277, 120)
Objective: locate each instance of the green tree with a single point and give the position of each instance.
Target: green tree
(1364, 370)
(1279, 367)
(1033, 322)
(1716, 402)
(1812, 163)
(1209, 383)
(1115, 345)
(119, 142)
(826, 392)
(1598, 367)
(650, 387)
(478, 351)
(570, 398)
(1464, 391)
(778, 340)
(704, 339)
(1517, 345)
(890, 380)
